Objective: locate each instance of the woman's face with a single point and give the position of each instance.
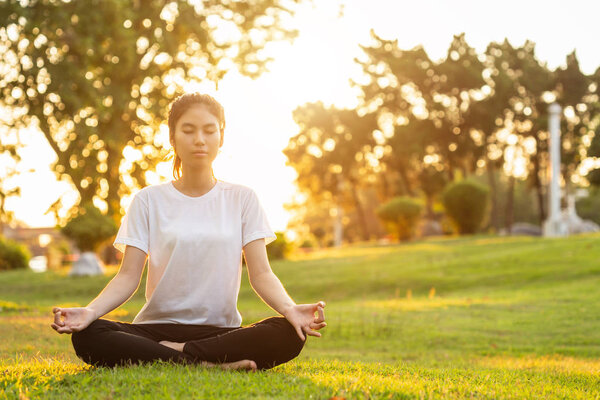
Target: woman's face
(197, 137)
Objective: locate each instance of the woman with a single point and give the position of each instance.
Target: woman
(194, 229)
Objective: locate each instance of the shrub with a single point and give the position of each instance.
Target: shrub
(307, 243)
(13, 255)
(589, 207)
(279, 248)
(400, 215)
(89, 229)
(319, 233)
(466, 203)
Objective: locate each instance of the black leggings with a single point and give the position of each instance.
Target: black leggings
(269, 342)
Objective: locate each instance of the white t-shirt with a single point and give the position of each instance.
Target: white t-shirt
(194, 247)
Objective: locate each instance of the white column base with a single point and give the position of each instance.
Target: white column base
(555, 227)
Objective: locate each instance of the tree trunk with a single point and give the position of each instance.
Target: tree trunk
(429, 207)
(538, 185)
(493, 194)
(112, 175)
(404, 180)
(361, 215)
(509, 204)
(385, 185)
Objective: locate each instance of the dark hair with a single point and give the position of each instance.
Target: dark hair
(179, 106)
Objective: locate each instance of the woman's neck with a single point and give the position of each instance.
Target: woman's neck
(196, 182)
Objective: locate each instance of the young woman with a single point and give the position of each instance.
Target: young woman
(193, 231)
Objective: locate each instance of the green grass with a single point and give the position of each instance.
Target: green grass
(478, 317)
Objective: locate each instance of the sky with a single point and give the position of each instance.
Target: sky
(318, 66)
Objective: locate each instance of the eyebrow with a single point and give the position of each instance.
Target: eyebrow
(190, 125)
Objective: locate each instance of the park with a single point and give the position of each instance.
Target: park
(510, 318)
(439, 192)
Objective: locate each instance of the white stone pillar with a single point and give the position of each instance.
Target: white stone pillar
(553, 226)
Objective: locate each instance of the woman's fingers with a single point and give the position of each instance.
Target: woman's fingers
(312, 333)
(57, 320)
(299, 331)
(61, 329)
(321, 316)
(309, 329)
(314, 325)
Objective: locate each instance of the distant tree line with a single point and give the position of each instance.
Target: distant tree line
(422, 124)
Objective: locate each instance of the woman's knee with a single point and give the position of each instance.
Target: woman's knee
(83, 338)
(293, 343)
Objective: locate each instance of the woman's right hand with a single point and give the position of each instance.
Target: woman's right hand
(75, 319)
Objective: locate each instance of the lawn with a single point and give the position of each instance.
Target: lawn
(478, 317)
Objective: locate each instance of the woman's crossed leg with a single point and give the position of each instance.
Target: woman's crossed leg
(261, 345)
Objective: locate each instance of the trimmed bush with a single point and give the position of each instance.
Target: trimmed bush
(589, 207)
(400, 216)
(89, 229)
(279, 248)
(466, 203)
(307, 243)
(13, 255)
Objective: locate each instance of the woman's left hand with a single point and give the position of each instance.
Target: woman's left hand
(302, 317)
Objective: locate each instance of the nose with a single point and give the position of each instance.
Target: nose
(199, 138)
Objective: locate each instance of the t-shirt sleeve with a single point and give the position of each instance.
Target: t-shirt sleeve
(134, 225)
(255, 224)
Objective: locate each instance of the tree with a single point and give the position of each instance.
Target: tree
(424, 103)
(96, 76)
(580, 109)
(329, 153)
(8, 155)
(88, 230)
(401, 215)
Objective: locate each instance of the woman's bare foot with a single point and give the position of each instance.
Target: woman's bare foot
(173, 345)
(242, 364)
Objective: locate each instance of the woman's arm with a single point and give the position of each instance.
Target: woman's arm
(123, 285)
(116, 292)
(269, 288)
(262, 279)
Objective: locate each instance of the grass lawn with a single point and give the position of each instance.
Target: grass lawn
(478, 317)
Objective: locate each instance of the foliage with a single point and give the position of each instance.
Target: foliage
(13, 255)
(326, 154)
(319, 233)
(402, 214)
(89, 229)
(466, 203)
(307, 243)
(7, 175)
(589, 207)
(280, 247)
(525, 206)
(593, 176)
(96, 76)
(465, 114)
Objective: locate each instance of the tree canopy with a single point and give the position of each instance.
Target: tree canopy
(96, 76)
